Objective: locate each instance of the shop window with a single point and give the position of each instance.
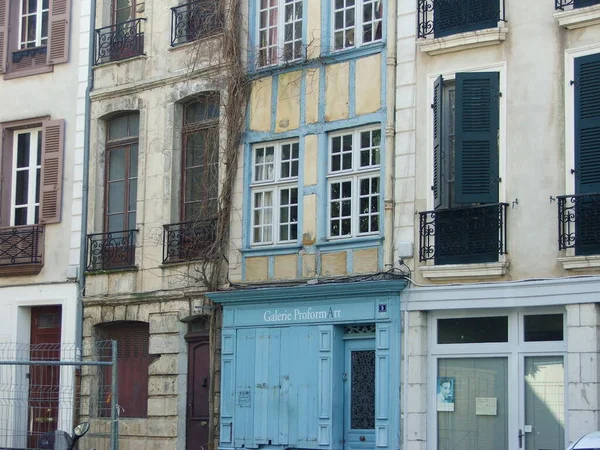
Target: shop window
(543, 327)
(472, 330)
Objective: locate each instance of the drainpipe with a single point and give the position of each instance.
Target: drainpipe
(86, 177)
(390, 92)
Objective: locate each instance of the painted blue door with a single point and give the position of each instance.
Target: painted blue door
(359, 394)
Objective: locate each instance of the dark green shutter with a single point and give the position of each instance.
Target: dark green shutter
(476, 143)
(587, 124)
(437, 142)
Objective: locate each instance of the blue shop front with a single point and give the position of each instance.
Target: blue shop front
(311, 366)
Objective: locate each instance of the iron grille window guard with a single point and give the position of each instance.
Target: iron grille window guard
(195, 20)
(186, 241)
(18, 55)
(472, 234)
(114, 250)
(579, 223)
(561, 4)
(120, 41)
(21, 245)
(439, 18)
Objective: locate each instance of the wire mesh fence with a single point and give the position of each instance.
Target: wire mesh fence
(47, 389)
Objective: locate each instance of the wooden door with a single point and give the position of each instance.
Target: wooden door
(197, 394)
(44, 380)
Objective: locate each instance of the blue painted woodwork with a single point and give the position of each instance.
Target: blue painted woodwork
(283, 360)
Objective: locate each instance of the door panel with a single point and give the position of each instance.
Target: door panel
(359, 404)
(197, 395)
(44, 381)
(544, 426)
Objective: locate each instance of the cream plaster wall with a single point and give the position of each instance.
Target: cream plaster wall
(368, 81)
(288, 102)
(336, 91)
(532, 129)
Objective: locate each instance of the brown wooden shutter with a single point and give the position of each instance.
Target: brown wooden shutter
(53, 137)
(58, 32)
(3, 34)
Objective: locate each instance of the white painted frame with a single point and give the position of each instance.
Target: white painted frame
(570, 56)
(280, 42)
(275, 186)
(32, 168)
(358, 25)
(355, 175)
(39, 14)
(515, 350)
(449, 76)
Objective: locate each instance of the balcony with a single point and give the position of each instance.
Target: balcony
(21, 250)
(187, 241)
(195, 20)
(467, 235)
(118, 42)
(108, 251)
(450, 25)
(574, 14)
(579, 224)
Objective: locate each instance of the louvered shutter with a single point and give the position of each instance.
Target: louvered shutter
(584, 3)
(58, 31)
(3, 34)
(476, 141)
(53, 135)
(437, 142)
(587, 124)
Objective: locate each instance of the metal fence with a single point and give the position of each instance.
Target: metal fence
(45, 388)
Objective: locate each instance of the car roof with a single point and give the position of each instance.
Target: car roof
(590, 440)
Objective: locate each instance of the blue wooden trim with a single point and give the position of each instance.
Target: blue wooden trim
(378, 117)
(299, 265)
(303, 97)
(247, 206)
(252, 35)
(274, 92)
(280, 294)
(268, 250)
(309, 190)
(323, 204)
(300, 190)
(271, 267)
(349, 261)
(322, 79)
(326, 36)
(352, 88)
(350, 243)
(382, 178)
(384, 78)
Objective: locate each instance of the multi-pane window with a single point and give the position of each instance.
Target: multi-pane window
(201, 158)
(124, 10)
(121, 173)
(27, 166)
(356, 22)
(354, 190)
(34, 23)
(275, 193)
(279, 31)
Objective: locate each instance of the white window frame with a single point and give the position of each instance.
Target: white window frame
(32, 168)
(354, 175)
(39, 15)
(280, 41)
(358, 24)
(451, 76)
(275, 185)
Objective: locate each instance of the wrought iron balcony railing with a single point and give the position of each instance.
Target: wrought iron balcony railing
(187, 241)
(120, 41)
(21, 245)
(195, 20)
(566, 4)
(472, 234)
(439, 18)
(579, 223)
(114, 250)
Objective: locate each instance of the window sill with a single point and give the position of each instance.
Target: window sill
(464, 41)
(15, 270)
(453, 271)
(268, 250)
(354, 243)
(198, 41)
(12, 74)
(120, 61)
(576, 263)
(112, 271)
(578, 17)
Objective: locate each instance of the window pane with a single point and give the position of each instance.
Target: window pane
(23, 145)
(22, 186)
(206, 108)
(116, 167)
(44, 25)
(20, 216)
(133, 195)
(38, 173)
(116, 197)
(194, 149)
(115, 223)
(117, 128)
(543, 327)
(133, 161)
(472, 330)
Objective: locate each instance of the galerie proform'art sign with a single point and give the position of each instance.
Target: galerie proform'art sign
(301, 314)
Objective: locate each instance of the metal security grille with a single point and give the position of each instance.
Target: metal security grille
(46, 389)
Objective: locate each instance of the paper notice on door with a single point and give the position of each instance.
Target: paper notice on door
(486, 406)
